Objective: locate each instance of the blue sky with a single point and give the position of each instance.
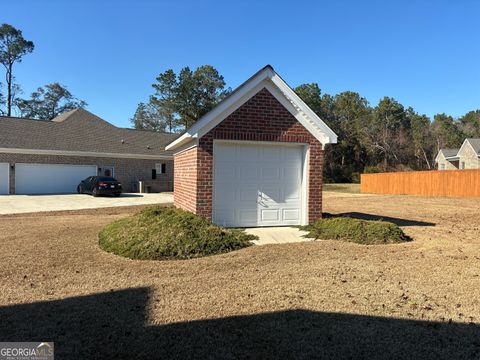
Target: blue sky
(424, 53)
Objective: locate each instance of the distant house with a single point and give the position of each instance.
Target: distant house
(43, 157)
(467, 157)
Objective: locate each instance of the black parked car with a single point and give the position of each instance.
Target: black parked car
(100, 185)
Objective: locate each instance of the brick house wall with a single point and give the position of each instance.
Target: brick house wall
(127, 171)
(185, 180)
(261, 118)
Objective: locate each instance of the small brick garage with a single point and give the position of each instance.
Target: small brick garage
(256, 159)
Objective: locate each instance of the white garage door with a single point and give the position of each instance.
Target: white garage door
(4, 178)
(257, 184)
(50, 178)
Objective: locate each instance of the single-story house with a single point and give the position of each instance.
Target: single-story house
(467, 157)
(40, 157)
(256, 159)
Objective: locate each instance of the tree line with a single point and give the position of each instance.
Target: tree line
(44, 103)
(384, 137)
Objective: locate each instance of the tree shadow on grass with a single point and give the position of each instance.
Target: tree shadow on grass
(397, 221)
(114, 326)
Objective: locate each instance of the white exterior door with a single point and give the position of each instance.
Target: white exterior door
(50, 178)
(257, 184)
(4, 178)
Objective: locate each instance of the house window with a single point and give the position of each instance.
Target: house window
(154, 174)
(161, 168)
(442, 166)
(462, 165)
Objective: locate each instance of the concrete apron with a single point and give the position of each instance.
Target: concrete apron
(277, 235)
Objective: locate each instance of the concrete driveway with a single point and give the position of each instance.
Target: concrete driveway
(278, 235)
(15, 204)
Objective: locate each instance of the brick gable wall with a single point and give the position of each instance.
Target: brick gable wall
(261, 118)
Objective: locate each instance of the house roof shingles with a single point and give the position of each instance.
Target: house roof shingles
(80, 130)
(475, 144)
(449, 152)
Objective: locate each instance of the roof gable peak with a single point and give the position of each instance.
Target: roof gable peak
(264, 78)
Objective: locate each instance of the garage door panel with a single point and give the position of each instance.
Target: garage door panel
(248, 173)
(271, 153)
(291, 214)
(272, 194)
(291, 193)
(270, 173)
(270, 215)
(247, 217)
(291, 156)
(4, 178)
(227, 216)
(225, 195)
(248, 195)
(50, 178)
(226, 155)
(274, 171)
(246, 154)
(226, 172)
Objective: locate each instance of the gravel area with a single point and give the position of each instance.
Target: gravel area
(324, 299)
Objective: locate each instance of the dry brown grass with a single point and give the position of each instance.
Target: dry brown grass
(324, 298)
(346, 188)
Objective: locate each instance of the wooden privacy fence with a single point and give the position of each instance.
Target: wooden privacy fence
(428, 183)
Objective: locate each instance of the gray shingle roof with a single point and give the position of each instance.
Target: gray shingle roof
(80, 130)
(475, 144)
(449, 152)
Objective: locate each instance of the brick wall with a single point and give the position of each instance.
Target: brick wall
(262, 118)
(127, 171)
(185, 180)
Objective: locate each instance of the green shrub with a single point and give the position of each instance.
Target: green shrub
(160, 232)
(372, 170)
(354, 230)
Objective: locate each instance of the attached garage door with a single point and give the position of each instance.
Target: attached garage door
(50, 178)
(4, 178)
(257, 184)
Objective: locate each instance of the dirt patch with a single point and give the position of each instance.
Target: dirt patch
(296, 299)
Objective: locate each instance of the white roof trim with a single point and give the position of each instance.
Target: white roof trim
(266, 78)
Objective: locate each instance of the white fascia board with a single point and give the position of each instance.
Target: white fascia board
(83, 153)
(179, 141)
(289, 93)
(217, 114)
(279, 95)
